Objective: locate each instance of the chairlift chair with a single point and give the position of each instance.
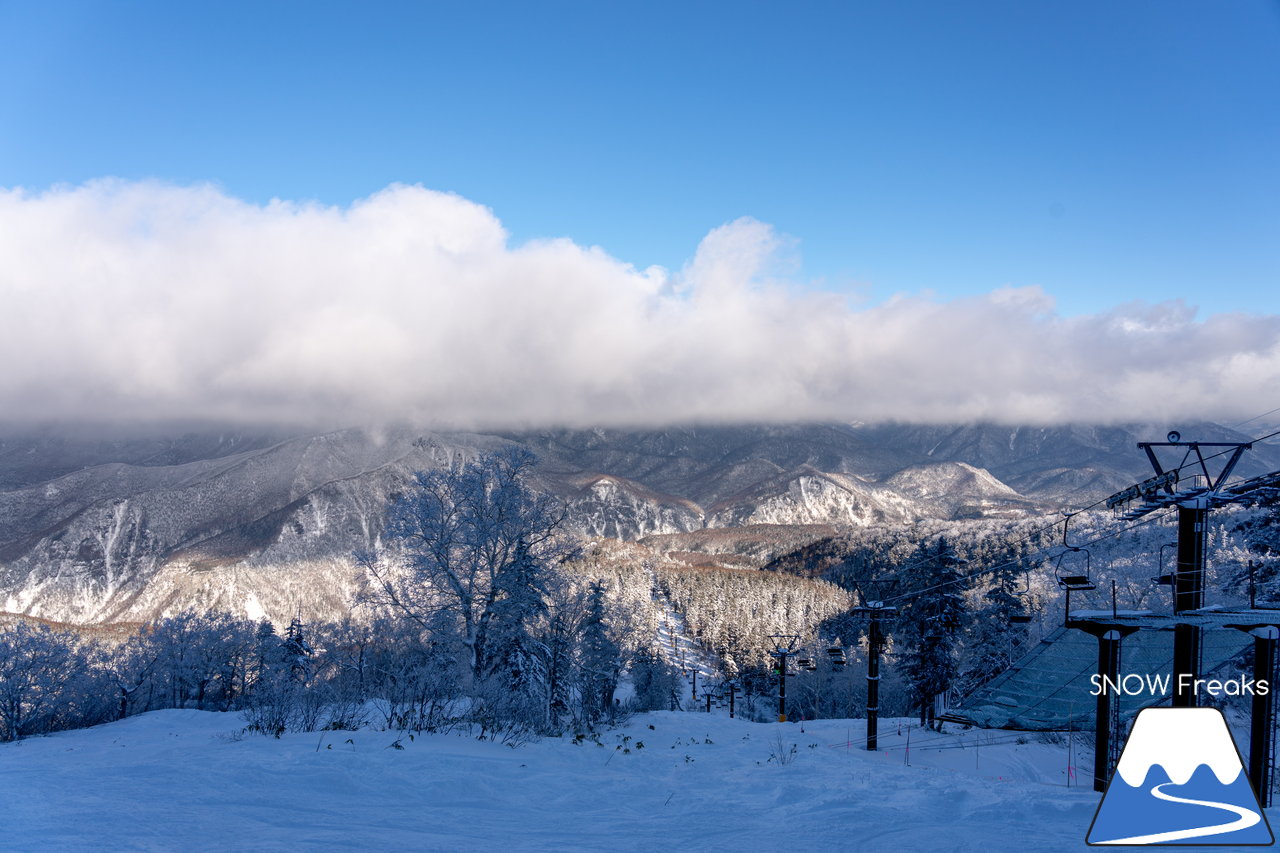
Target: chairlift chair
(1169, 579)
(1074, 582)
(1021, 616)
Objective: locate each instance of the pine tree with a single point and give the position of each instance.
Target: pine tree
(296, 650)
(515, 657)
(558, 643)
(932, 617)
(997, 640)
(601, 661)
(265, 639)
(655, 681)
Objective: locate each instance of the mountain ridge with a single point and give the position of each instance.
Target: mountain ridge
(87, 541)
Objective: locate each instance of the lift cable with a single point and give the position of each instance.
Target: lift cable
(989, 569)
(1256, 417)
(1036, 532)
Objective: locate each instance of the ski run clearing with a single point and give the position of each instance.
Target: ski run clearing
(193, 781)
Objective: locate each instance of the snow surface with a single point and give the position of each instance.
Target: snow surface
(686, 654)
(190, 781)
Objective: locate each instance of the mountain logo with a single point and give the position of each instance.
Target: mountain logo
(1180, 781)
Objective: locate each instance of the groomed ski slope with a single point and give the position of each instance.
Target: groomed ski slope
(190, 781)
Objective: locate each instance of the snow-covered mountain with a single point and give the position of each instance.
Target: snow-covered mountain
(99, 529)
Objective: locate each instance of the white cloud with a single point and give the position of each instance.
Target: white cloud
(146, 301)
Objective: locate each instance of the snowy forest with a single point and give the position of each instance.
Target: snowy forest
(481, 615)
(479, 612)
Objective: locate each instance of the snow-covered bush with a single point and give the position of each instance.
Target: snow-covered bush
(48, 681)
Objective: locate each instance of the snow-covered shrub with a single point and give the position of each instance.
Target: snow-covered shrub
(203, 661)
(415, 681)
(48, 681)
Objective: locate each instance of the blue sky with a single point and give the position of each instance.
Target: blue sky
(1106, 151)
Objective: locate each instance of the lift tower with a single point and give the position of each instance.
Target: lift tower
(874, 611)
(1194, 491)
(784, 647)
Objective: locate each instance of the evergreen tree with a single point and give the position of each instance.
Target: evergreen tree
(296, 650)
(656, 682)
(558, 643)
(266, 643)
(932, 617)
(516, 664)
(600, 659)
(998, 640)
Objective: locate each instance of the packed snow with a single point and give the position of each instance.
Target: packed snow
(193, 781)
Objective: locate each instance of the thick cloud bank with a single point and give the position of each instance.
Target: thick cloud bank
(150, 301)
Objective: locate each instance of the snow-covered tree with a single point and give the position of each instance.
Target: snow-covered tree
(34, 661)
(657, 684)
(470, 539)
(296, 650)
(200, 659)
(932, 617)
(601, 662)
(516, 661)
(997, 640)
(131, 665)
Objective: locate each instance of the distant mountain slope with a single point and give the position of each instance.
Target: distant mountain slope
(1071, 461)
(36, 456)
(709, 464)
(96, 529)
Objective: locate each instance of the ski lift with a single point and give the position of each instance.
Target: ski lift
(1073, 582)
(1021, 616)
(805, 663)
(1165, 578)
(836, 653)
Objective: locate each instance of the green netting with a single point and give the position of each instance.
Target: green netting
(1050, 688)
